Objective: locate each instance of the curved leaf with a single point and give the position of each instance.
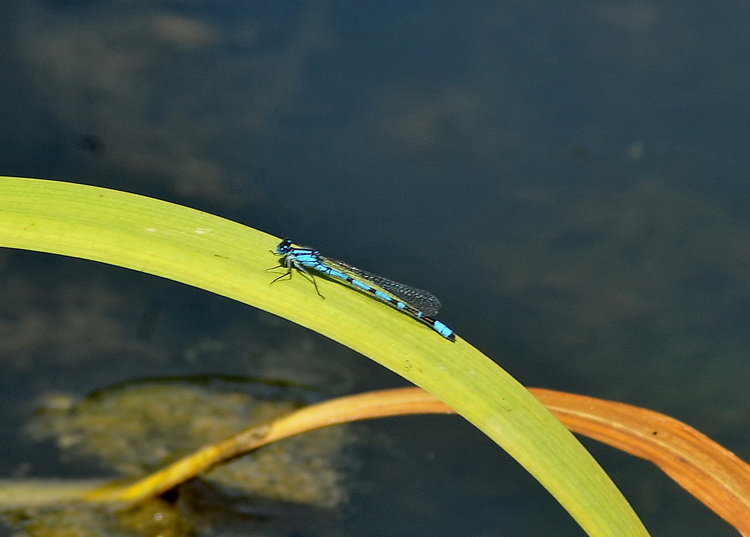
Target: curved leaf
(230, 259)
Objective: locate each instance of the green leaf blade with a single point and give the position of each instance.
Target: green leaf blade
(229, 259)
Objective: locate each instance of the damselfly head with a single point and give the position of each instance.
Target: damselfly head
(284, 247)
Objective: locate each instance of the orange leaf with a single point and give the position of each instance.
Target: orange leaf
(712, 474)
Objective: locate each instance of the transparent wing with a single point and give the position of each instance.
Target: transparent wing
(422, 300)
